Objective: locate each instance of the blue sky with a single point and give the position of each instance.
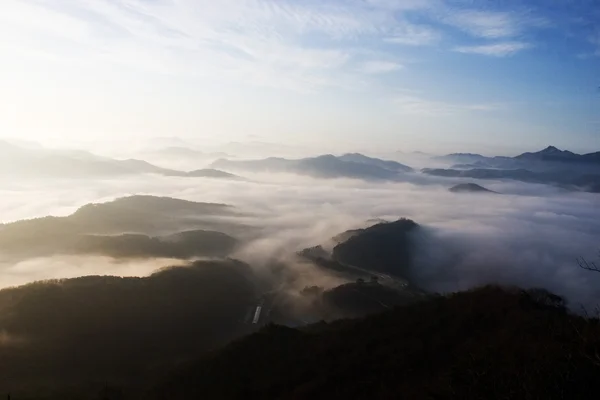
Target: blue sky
(491, 76)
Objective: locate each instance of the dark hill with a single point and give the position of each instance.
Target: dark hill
(100, 329)
(142, 215)
(183, 245)
(384, 248)
(488, 343)
(364, 297)
(469, 188)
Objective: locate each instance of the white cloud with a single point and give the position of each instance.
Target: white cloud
(402, 4)
(408, 104)
(496, 49)
(283, 44)
(380, 67)
(414, 35)
(486, 24)
(301, 46)
(528, 236)
(257, 42)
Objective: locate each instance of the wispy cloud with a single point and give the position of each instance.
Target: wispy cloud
(489, 24)
(255, 41)
(495, 49)
(485, 24)
(415, 105)
(380, 67)
(402, 4)
(302, 46)
(414, 35)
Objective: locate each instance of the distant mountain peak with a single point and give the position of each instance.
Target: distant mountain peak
(551, 153)
(551, 149)
(469, 187)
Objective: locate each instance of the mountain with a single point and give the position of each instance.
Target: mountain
(182, 245)
(181, 157)
(80, 333)
(487, 343)
(31, 162)
(476, 164)
(362, 159)
(564, 178)
(325, 166)
(364, 297)
(550, 158)
(385, 248)
(212, 173)
(88, 228)
(383, 251)
(463, 158)
(553, 154)
(469, 188)
(28, 162)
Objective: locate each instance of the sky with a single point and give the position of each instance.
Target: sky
(499, 76)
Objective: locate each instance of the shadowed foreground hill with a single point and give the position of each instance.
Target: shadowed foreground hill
(489, 343)
(117, 330)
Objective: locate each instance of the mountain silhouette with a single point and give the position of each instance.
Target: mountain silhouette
(133, 226)
(554, 154)
(382, 248)
(487, 343)
(360, 158)
(182, 245)
(550, 158)
(325, 166)
(21, 162)
(70, 333)
(469, 188)
(385, 248)
(567, 179)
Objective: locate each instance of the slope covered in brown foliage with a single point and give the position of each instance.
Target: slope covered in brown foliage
(488, 343)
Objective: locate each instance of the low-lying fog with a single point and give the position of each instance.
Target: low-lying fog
(530, 235)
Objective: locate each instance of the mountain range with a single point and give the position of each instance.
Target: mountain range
(326, 166)
(136, 226)
(553, 154)
(552, 166)
(550, 158)
(34, 162)
(566, 179)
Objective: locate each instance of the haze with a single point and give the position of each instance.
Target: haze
(179, 174)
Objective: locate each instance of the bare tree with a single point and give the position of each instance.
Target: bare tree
(585, 264)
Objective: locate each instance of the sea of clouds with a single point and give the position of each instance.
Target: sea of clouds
(529, 235)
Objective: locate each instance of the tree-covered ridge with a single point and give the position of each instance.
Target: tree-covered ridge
(488, 343)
